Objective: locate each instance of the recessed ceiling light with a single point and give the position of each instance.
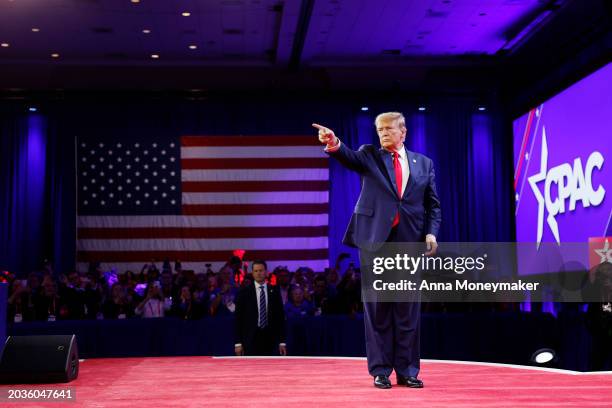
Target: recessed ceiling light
(32, 109)
(135, 1)
(365, 108)
(4, 45)
(185, 14)
(155, 56)
(55, 55)
(422, 108)
(193, 47)
(35, 29)
(482, 108)
(146, 31)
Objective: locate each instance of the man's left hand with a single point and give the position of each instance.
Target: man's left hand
(432, 245)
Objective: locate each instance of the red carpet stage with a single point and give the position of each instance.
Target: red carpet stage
(323, 382)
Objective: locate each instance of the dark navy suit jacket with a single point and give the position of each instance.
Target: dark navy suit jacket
(247, 317)
(419, 207)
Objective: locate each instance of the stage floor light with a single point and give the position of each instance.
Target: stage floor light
(544, 357)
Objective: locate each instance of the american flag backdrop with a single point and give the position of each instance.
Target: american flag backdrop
(197, 198)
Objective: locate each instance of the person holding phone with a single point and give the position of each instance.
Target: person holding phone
(154, 304)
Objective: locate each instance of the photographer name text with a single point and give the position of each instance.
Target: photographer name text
(407, 285)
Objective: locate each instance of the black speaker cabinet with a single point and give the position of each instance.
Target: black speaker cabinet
(39, 359)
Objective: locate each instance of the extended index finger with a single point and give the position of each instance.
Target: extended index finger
(316, 125)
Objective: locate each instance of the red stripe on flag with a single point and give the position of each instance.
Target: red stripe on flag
(224, 232)
(253, 186)
(274, 141)
(256, 163)
(199, 256)
(254, 209)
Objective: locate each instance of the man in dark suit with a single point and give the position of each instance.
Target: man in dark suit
(398, 203)
(260, 317)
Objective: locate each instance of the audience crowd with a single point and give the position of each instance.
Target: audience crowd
(174, 292)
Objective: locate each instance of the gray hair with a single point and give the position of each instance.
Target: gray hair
(391, 116)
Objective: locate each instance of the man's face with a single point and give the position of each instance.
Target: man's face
(319, 287)
(225, 275)
(259, 273)
(332, 276)
(283, 278)
(50, 289)
(298, 295)
(390, 135)
(75, 279)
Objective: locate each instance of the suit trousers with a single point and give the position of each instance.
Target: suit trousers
(392, 332)
(263, 343)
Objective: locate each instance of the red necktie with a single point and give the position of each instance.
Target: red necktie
(398, 181)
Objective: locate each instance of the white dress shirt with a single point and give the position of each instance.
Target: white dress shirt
(258, 291)
(153, 308)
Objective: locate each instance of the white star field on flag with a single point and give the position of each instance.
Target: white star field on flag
(132, 177)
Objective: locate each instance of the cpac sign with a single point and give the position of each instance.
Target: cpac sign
(573, 183)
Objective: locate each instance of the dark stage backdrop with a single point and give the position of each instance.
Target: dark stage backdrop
(471, 151)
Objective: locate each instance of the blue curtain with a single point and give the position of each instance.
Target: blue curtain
(471, 151)
(36, 172)
(23, 186)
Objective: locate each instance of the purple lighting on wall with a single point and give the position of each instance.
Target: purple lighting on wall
(562, 175)
(33, 167)
(36, 156)
(416, 138)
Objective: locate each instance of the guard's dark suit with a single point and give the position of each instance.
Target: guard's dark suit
(255, 340)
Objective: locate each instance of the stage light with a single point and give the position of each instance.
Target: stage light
(32, 109)
(193, 47)
(185, 14)
(146, 31)
(4, 45)
(422, 108)
(365, 108)
(544, 357)
(35, 29)
(135, 1)
(155, 56)
(55, 55)
(482, 108)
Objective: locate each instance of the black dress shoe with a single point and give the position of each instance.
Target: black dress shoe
(382, 381)
(410, 382)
